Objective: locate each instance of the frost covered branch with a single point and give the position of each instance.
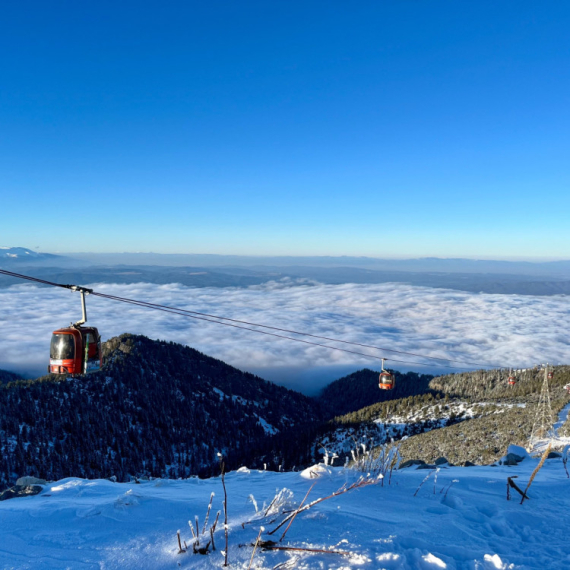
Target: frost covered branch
(361, 482)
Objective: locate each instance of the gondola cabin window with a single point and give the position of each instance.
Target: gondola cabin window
(62, 347)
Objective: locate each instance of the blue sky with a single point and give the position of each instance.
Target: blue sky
(381, 128)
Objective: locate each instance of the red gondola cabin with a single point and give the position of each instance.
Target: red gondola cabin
(386, 380)
(75, 350)
(512, 381)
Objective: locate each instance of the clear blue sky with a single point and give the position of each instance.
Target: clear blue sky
(370, 128)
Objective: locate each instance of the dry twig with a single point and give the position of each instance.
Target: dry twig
(222, 467)
(512, 485)
(537, 469)
(261, 529)
(296, 513)
(425, 479)
(270, 545)
(361, 482)
(180, 549)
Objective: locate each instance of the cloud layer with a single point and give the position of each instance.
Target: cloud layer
(496, 329)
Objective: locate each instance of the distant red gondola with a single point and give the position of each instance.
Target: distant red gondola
(387, 381)
(512, 379)
(76, 349)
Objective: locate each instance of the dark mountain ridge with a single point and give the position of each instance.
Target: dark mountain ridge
(360, 389)
(6, 377)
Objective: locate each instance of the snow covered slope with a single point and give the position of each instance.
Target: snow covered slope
(14, 252)
(82, 524)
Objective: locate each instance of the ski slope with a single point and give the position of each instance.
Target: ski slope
(82, 524)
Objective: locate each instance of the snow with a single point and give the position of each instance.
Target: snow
(517, 450)
(221, 394)
(314, 472)
(434, 561)
(15, 252)
(267, 427)
(459, 518)
(82, 524)
(562, 418)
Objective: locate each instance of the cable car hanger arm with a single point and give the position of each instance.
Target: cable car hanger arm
(84, 291)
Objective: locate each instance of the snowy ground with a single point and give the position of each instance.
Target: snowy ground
(562, 418)
(81, 524)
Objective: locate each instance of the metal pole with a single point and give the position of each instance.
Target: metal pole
(83, 306)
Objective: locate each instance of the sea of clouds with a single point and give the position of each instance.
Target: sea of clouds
(508, 330)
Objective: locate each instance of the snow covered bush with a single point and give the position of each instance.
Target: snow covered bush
(377, 462)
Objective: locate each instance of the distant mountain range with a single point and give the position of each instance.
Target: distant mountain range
(486, 276)
(272, 263)
(22, 254)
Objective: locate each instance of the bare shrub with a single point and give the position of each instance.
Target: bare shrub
(202, 540)
(379, 462)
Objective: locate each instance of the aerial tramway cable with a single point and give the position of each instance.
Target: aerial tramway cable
(279, 329)
(226, 321)
(182, 313)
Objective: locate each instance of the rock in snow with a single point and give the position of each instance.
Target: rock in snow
(30, 481)
(20, 491)
(411, 463)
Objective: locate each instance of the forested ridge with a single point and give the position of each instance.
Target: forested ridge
(492, 414)
(492, 384)
(156, 409)
(360, 389)
(165, 410)
(6, 377)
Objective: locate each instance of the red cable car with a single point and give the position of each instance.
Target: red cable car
(386, 381)
(76, 349)
(512, 379)
(550, 375)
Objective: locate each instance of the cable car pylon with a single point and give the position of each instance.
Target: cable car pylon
(543, 428)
